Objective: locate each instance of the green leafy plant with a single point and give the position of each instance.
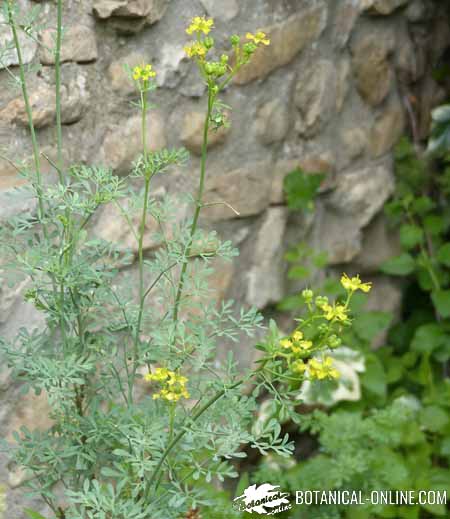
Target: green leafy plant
(382, 449)
(112, 451)
(301, 189)
(392, 431)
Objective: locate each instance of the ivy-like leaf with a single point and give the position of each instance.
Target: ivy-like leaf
(402, 265)
(301, 189)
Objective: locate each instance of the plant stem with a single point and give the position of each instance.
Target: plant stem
(37, 184)
(141, 257)
(141, 246)
(58, 91)
(23, 85)
(198, 207)
(171, 421)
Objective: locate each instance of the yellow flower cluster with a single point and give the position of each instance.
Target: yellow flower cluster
(296, 343)
(173, 386)
(196, 49)
(200, 24)
(317, 369)
(354, 284)
(143, 73)
(322, 369)
(297, 349)
(335, 313)
(259, 37)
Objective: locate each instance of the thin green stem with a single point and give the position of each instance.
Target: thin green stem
(155, 282)
(171, 421)
(144, 123)
(198, 206)
(141, 258)
(58, 91)
(34, 142)
(141, 247)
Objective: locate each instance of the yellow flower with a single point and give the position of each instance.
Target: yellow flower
(200, 24)
(298, 367)
(259, 37)
(322, 369)
(286, 343)
(144, 72)
(148, 73)
(173, 386)
(354, 284)
(159, 375)
(301, 347)
(196, 49)
(338, 312)
(297, 336)
(137, 72)
(305, 345)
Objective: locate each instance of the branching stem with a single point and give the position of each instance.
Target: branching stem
(141, 234)
(198, 207)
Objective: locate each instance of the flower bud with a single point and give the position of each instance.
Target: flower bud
(321, 301)
(208, 42)
(307, 295)
(249, 48)
(334, 341)
(235, 40)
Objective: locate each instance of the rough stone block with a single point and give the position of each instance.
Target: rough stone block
(288, 38)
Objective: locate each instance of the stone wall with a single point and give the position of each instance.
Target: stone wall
(340, 83)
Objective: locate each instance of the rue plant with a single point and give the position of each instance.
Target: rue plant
(142, 413)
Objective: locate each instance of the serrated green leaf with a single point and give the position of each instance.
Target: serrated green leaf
(428, 338)
(410, 236)
(402, 265)
(424, 279)
(299, 272)
(441, 301)
(434, 224)
(374, 378)
(301, 188)
(320, 260)
(369, 324)
(422, 205)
